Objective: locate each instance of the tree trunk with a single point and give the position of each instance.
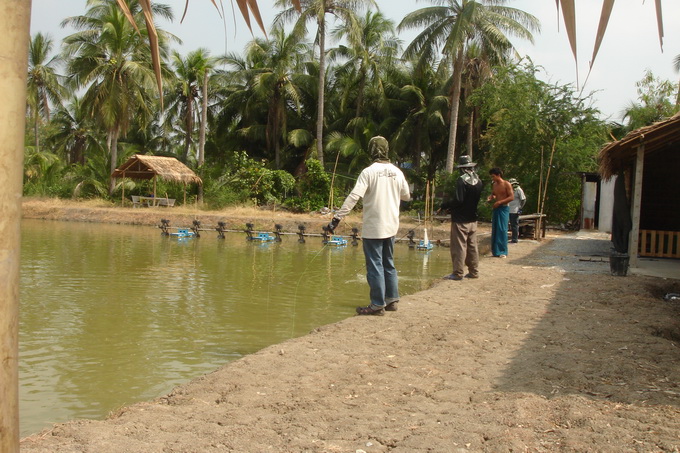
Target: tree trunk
(201, 133)
(204, 121)
(471, 129)
(36, 127)
(112, 142)
(14, 22)
(322, 85)
(455, 104)
(189, 126)
(360, 103)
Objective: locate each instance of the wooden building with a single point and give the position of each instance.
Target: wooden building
(646, 165)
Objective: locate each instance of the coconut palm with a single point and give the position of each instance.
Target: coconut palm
(452, 26)
(74, 133)
(263, 89)
(184, 97)
(476, 71)
(112, 64)
(280, 60)
(421, 134)
(315, 11)
(44, 84)
(367, 56)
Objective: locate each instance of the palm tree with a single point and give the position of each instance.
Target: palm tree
(184, 97)
(263, 88)
(368, 56)
(281, 61)
(421, 134)
(113, 64)
(44, 85)
(454, 26)
(74, 132)
(315, 11)
(476, 71)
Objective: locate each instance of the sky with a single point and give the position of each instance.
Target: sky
(630, 46)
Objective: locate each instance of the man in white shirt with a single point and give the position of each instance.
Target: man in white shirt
(382, 186)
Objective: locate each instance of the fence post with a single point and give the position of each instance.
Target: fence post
(15, 17)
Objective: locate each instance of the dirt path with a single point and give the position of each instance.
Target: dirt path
(545, 352)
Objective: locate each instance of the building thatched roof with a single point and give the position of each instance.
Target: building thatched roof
(170, 169)
(619, 155)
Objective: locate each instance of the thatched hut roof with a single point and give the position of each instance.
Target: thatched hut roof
(170, 169)
(619, 155)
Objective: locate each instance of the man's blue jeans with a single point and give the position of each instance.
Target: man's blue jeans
(380, 271)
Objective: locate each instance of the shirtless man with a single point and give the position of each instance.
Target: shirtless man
(501, 195)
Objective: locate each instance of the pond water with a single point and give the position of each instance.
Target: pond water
(116, 314)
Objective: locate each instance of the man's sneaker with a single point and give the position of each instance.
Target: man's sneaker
(453, 277)
(392, 306)
(370, 310)
(471, 276)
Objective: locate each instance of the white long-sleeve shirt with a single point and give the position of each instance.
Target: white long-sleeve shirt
(382, 185)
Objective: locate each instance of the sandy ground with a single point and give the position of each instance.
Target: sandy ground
(545, 352)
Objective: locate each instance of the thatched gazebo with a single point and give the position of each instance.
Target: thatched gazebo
(646, 164)
(169, 169)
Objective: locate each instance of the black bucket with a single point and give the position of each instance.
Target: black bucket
(618, 263)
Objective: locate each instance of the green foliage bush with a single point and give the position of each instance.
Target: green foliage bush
(312, 189)
(537, 132)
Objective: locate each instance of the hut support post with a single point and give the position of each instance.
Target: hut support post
(635, 207)
(154, 190)
(15, 17)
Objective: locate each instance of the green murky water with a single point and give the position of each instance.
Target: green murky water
(112, 315)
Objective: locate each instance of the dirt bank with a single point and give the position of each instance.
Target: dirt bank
(545, 352)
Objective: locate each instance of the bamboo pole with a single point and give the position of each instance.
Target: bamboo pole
(331, 194)
(540, 184)
(15, 16)
(427, 202)
(545, 191)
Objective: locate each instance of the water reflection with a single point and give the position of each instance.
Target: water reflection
(112, 314)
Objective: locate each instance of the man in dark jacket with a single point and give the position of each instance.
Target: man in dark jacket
(463, 207)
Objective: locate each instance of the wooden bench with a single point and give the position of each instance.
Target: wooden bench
(532, 220)
(152, 201)
(169, 202)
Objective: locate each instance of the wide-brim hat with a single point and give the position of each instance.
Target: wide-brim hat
(513, 181)
(465, 161)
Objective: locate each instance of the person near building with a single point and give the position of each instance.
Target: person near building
(515, 209)
(382, 186)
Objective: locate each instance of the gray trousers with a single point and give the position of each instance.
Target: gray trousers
(464, 250)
